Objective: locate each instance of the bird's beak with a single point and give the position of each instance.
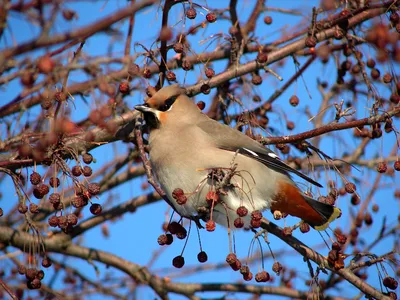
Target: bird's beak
(143, 108)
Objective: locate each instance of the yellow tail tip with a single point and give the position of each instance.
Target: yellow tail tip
(336, 214)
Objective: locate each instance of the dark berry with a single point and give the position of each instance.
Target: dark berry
(35, 178)
(202, 257)
(87, 171)
(178, 261)
(87, 158)
(96, 209)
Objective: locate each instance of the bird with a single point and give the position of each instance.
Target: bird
(193, 154)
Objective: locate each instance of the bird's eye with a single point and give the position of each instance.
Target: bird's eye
(167, 104)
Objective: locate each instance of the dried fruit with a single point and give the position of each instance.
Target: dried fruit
(238, 223)
(262, 276)
(87, 158)
(170, 76)
(94, 188)
(210, 73)
(277, 268)
(35, 178)
(124, 87)
(268, 20)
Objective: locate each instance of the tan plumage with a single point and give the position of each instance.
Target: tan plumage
(185, 145)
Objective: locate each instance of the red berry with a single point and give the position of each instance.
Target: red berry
(262, 276)
(35, 178)
(256, 215)
(294, 100)
(242, 211)
(381, 167)
(396, 165)
(54, 182)
(304, 228)
(350, 187)
(238, 223)
(277, 267)
(231, 258)
(170, 76)
(268, 20)
(162, 240)
(210, 225)
(124, 87)
(210, 73)
(201, 105)
(191, 13)
(87, 158)
(211, 17)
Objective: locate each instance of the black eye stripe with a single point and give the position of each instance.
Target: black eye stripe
(167, 104)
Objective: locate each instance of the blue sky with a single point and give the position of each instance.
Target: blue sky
(134, 237)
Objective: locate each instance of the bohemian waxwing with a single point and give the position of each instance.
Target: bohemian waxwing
(188, 150)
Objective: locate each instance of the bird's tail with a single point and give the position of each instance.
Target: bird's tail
(328, 213)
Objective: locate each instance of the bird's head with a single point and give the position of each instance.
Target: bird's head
(169, 104)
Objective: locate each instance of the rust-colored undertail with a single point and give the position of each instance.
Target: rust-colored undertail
(291, 201)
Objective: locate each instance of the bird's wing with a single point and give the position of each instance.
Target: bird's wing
(227, 138)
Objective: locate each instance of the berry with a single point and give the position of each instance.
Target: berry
(53, 221)
(256, 79)
(210, 225)
(355, 200)
(205, 89)
(94, 188)
(174, 227)
(72, 219)
(22, 208)
(212, 198)
(390, 283)
(210, 73)
(201, 105)
(277, 267)
(76, 171)
(124, 87)
(350, 187)
(40, 191)
(304, 228)
(191, 13)
(268, 20)
(244, 270)
(248, 276)
(287, 231)
(30, 273)
(178, 47)
(242, 211)
(96, 209)
(45, 64)
(238, 223)
(262, 276)
(170, 76)
(396, 165)
(34, 284)
(21, 269)
(35, 178)
(294, 100)
(256, 215)
(87, 171)
(202, 257)
(371, 63)
(162, 239)
(211, 17)
(262, 57)
(170, 238)
(341, 239)
(231, 258)
(87, 158)
(181, 233)
(55, 198)
(381, 167)
(54, 182)
(255, 223)
(178, 261)
(33, 208)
